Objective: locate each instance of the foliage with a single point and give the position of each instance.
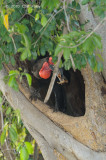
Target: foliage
(15, 132)
(14, 75)
(35, 28)
(98, 5)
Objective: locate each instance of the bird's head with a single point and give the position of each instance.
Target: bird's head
(48, 67)
(45, 71)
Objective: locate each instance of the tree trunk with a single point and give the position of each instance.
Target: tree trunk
(89, 129)
(74, 137)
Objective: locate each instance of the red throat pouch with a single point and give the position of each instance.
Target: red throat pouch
(45, 71)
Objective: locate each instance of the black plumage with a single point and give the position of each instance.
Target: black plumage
(57, 100)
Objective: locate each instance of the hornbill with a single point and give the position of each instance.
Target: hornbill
(42, 71)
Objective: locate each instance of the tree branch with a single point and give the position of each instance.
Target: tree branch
(55, 137)
(53, 78)
(67, 18)
(45, 148)
(73, 64)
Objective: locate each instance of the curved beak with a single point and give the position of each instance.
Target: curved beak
(60, 75)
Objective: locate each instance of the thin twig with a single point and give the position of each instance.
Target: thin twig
(2, 122)
(68, 28)
(13, 43)
(47, 22)
(75, 9)
(53, 78)
(67, 19)
(22, 17)
(73, 64)
(2, 52)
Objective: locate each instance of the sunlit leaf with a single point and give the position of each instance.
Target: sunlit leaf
(66, 53)
(24, 155)
(1, 100)
(29, 78)
(3, 136)
(13, 134)
(36, 16)
(29, 147)
(43, 20)
(6, 22)
(30, 9)
(8, 111)
(85, 2)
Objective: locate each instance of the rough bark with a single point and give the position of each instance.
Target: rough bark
(89, 129)
(55, 137)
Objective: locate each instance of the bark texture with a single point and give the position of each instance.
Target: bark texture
(81, 128)
(89, 130)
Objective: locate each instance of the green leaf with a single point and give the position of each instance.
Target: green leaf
(29, 78)
(24, 55)
(43, 50)
(99, 10)
(97, 40)
(8, 111)
(67, 64)
(24, 154)
(19, 146)
(74, 34)
(66, 53)
(3, 137)
(37, 17)
(83, 61)
(58, 49)
(13, 134)
(88, 46)
(12, 60)
(21, 28)
(30, 9)
(50, 4)
(92, 62)
(17, 114)
(1, 65)
(1, 100)
(44, 3)
(43, 20)
(73, 50)
(29, 52)
(27, 41)
(21, 49)
(34, 55)
(29, 147)
(11, 81)
(85, 2)
(13, 73)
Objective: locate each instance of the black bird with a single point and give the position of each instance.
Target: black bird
(42, 71)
